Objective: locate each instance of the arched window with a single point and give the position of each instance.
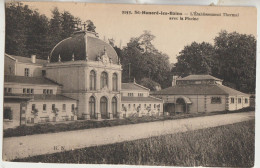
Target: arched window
(92, 77)
(92, 107)
(103, 107)
(114, 107)
(104, 80)
(115, 82)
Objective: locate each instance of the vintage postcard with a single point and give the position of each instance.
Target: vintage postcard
(121, 84)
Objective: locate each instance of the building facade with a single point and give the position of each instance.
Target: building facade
(201, 93)
(81, 79)
(136, 101)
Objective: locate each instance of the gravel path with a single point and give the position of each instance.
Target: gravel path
(25, 146)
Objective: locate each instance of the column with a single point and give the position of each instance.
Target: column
(98, 108)
(86, 114)
(98, 80)
(110, 76)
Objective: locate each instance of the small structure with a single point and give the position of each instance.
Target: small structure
(201, 93)
(136, 100)
(29, 100)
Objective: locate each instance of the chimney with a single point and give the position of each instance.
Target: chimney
(33, 58)
(174, 79)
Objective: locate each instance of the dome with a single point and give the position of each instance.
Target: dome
(82, 44)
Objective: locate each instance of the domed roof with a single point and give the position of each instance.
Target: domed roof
(82, 44)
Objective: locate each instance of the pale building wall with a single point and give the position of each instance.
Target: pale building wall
(135, 93)
(17, 88)
(48, 113)
(74, 77)
(9, 67)
(156, 107)
(15, 107)
(200, 103)
(35, 70)
(236, 105)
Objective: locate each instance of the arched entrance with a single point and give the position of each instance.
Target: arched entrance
(180, 106)
(114, 107)
(169, 108)
(103, 108)
(92, 107)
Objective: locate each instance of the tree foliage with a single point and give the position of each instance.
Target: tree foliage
(236, 59)
(231, 58)
(144, 60)
(29, 32)
(195, 59)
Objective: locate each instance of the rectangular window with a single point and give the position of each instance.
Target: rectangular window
(43, 73)
(64, 107)
(33, 107)
(8, 90)
(48, 91)
(24, 90)
(28, 91)
(8, 115)
(239, 101)
(246, 100)
(232, 100)
(44, 91)
(26, 72)
(32, 91)
(44, 107)
(215, 100)
(140, 94)
(53, 106)
(72, 107)
(130, 94)
(154, 106)
(51, 91)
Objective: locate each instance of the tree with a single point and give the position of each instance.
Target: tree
(150, 84)
(91, 27)
(144, 61)
(196, 58)
(236, 59)
(15, 41)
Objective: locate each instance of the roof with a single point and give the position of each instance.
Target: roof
(133, 86)
(81, 44)
(199, 90)
(199, 77)
(140, 99)
(51, 97)
(29, 80)
(27, 59)
(37, 97)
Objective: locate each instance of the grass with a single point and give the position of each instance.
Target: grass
(227, 146)
(87, 124)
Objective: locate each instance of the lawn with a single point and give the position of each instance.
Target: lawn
(228, 146)
(87, 124)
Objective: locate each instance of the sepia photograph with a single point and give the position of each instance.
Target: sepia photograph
(129, 84)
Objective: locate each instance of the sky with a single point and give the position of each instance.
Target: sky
(171, 35)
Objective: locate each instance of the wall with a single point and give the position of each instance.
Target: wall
(9, 67)
(17, 88)
(236, 105)
(74, 76)
(200, 103)
(48, 113)
(135, 93)
(132, 110)
(15, 107)
(35, 69)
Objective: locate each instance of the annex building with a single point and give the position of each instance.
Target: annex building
(201, 93)
(81, 79)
